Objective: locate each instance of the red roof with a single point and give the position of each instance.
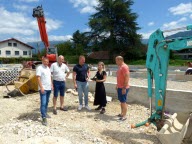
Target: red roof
(104, 55)
(17, 41)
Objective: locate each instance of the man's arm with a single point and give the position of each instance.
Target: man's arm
(68, 71)
(40, 84)
(74, 79)
(88, 74)
(126, 79)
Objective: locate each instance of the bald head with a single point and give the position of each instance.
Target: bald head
(119, 60)
(60, 59)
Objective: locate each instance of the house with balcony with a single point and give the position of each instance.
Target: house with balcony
(13, 48)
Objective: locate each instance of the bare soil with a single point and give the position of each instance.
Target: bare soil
(20, 123)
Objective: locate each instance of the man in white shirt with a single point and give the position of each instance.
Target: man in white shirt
(43, 74)
(59, 71)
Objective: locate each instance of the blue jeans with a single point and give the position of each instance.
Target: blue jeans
(83, 87)
(44, 102)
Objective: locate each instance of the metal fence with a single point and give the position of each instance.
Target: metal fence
(8, 75)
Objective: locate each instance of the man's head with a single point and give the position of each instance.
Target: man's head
(45, 61)
(119, 60)
(60, 59)
(81, 59)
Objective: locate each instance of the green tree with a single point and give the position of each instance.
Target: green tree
(65, 48)
(114, 27)
(80, 42)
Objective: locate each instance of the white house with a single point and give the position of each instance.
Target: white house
(14, 48)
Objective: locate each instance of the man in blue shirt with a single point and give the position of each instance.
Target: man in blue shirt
(80, 80)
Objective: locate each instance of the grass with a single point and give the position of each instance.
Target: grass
(176, 62)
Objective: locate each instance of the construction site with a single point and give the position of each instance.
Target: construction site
(20, 118)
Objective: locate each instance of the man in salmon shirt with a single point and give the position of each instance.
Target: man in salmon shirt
(122, 86)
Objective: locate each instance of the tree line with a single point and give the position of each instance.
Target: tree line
(113, 28)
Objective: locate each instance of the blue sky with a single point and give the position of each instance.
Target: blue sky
(64, 17)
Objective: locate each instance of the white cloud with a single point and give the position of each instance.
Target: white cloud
(52, 24)
(22, 7)
(87, 30)
(181, 9)
(174, 24)
(18, 25)
(151, 23)
(60, 38)
(146, 35)
(85, 6)
(190, 16)
(15, 22)
(87, 9)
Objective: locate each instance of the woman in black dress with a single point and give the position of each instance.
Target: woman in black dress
(100, 94)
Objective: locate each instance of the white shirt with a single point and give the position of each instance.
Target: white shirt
(45, 76)
(59, 72)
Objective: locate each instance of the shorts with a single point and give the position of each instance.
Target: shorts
(122, 97)
(59, 86)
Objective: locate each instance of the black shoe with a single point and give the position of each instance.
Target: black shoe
(44, 121)
(54, 111)
(64, 109)
(98, 108)
(102, 111)
(119, 115)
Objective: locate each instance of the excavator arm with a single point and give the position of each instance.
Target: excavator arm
(158, 61)
(157, 68)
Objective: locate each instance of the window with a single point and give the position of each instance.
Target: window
(8, 52)
(16, 52)
(29, 52)
(9, 44)
(15, 44)
(24, 52)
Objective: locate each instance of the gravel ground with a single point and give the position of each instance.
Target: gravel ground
(20, 121)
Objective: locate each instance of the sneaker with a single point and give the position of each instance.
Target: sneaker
(80, 107)
(122, 119)
(44, 121)
(102, 111)
(87, 107)
(54, 111)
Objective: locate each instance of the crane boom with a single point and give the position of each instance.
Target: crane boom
(51, 53)
(39, 14)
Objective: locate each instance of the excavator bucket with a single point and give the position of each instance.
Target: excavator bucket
(174, 129)
(26, 83)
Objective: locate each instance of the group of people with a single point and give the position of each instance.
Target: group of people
(53, 79)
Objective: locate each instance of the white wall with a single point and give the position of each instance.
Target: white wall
(20, 47)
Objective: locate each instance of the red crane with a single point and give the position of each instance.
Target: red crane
(51, 52)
